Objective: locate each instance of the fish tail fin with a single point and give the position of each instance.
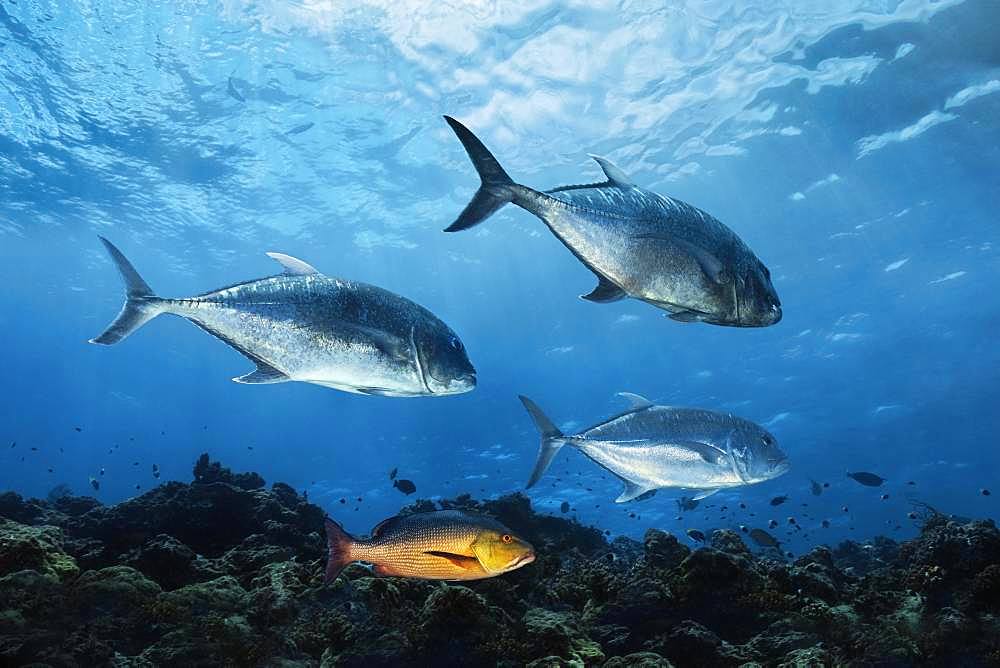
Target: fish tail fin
(339, 544)
(141, 305)
(552, 439)
(497, 188)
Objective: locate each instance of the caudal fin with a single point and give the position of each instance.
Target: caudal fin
(339, 544)
(552, 439)
(497, 187)
(141, 305)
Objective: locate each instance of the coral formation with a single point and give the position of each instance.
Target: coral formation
(225, 572)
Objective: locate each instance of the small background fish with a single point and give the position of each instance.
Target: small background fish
(866, 479)
(405, 486)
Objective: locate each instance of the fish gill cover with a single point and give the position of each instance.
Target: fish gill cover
(852, 149)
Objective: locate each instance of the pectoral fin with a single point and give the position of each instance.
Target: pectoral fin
(704, 494)
(684, 316)
(383, 526)
(371, 391)
(392, 345)
(709, 453)
(460, 560)
(605, 292)
(631, 491)
(710, 265)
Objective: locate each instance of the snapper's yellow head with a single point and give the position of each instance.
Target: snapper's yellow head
(500, 551)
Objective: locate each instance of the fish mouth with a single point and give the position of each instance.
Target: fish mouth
(754, 317)
(781, 468)
(523, 560)
(771, 316)
(464, 383)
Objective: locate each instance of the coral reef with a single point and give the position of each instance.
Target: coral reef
(224, 571)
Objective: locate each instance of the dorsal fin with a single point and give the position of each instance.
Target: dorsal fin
(615, 175)
(382, 526)
(292, 265)
(637, 401)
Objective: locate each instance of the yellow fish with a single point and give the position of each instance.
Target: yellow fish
(439, 545)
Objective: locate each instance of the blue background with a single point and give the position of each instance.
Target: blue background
(855, 148)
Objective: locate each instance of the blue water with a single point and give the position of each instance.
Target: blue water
(855, 148)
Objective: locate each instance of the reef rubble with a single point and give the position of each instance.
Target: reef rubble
(225, 571)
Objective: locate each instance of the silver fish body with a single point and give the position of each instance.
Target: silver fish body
(305, 326)
(652, 447)
(638, 243)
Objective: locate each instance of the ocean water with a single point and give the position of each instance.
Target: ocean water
(853, 145)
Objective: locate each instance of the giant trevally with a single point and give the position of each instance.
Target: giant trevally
(436, 545)
(651, 447)
(639, 244)
(305, 326)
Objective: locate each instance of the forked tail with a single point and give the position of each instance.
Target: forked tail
(552, 439)
(339, 544)
(141, 305)
(497, 188)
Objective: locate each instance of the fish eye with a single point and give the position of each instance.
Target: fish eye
(506, 538)
(767, 440)
(767, 273)
(455, 343)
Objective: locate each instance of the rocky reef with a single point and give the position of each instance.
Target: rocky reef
(224, 571)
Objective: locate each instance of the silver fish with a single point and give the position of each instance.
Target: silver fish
(639, 244)
(651, 447)
(304, 326)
